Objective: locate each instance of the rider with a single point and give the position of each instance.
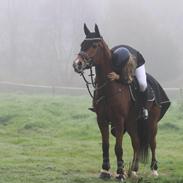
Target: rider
(121, 56)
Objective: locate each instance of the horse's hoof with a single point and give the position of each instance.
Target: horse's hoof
(154, 173)
(104, 174)
(134, 175)
(120, 177)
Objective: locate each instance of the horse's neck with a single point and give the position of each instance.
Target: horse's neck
(104, 68)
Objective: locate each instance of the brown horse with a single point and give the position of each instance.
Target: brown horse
(114, 106)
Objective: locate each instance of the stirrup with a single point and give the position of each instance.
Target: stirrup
(145, 113)
(92, 109)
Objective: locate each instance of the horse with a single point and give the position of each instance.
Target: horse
(113, 105)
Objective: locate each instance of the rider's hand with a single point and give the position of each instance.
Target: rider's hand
(113, 76)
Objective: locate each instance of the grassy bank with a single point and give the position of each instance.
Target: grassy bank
(56, 139)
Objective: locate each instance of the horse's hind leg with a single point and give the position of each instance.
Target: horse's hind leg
(136, 146)
(154, 166)
(104, 129)
(153, 131)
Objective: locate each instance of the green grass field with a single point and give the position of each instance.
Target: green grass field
(45, 139)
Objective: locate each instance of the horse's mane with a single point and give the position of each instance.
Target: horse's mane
(107, 51)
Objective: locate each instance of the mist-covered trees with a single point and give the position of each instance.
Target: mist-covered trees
(39, 39)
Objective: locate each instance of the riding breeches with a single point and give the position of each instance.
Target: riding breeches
(140, 74)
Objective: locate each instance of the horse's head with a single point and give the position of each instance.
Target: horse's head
(90, 50)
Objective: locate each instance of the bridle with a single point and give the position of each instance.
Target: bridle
(89, 63)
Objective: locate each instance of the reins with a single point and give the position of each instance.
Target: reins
(89, 83)
(96, 88)
(92, 82)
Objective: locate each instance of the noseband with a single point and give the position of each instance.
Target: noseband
(88, 61)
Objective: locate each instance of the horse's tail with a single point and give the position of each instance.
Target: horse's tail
(143, 133)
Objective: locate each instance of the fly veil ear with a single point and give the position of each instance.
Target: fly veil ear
(97, 31)
(86, 30)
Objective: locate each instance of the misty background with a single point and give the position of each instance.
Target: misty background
(40, 38)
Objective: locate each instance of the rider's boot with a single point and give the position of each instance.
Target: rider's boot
(143, 100)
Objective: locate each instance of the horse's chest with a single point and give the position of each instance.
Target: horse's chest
(113, 104)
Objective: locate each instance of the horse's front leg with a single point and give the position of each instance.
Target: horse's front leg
(104, 129)
(119, 126)
(132, 131)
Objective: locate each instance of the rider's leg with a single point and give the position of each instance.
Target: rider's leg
(140, 74)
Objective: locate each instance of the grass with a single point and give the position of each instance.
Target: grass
(56, 139)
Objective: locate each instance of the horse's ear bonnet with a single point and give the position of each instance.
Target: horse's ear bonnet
(97, 30)
(86, 30)
(92, 35)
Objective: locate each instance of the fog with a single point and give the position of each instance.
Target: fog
(40, 38)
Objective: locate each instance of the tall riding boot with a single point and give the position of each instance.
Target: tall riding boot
(143, 100)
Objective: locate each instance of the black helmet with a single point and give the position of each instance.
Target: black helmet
(120, 57)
